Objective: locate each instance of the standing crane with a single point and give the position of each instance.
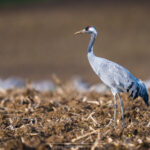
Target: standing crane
(116, 77)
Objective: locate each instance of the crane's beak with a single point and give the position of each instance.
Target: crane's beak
(79, 32)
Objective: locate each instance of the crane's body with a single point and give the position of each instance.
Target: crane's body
(116, 77)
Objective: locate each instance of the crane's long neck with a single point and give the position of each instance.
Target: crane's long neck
(91, 43)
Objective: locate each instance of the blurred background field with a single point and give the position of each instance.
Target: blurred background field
(37, 44)
(37, 40)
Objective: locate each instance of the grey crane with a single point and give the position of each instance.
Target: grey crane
(116, 77)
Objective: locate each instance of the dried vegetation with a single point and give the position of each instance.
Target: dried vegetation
(67, 119)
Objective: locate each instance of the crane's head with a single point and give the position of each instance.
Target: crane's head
(88, 29)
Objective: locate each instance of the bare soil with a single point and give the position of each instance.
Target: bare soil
(67, 119)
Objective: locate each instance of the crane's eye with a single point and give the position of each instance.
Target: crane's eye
(87, 28)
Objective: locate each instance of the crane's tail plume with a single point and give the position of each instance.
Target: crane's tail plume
(143, 92)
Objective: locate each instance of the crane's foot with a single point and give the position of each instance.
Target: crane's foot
(123, 124)
(115, 127)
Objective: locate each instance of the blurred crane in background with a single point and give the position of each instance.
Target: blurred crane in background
(116, 77)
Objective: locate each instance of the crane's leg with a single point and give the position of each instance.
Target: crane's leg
(122, 111)
(115, 110)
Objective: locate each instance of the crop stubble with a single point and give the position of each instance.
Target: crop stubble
(67, 119)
